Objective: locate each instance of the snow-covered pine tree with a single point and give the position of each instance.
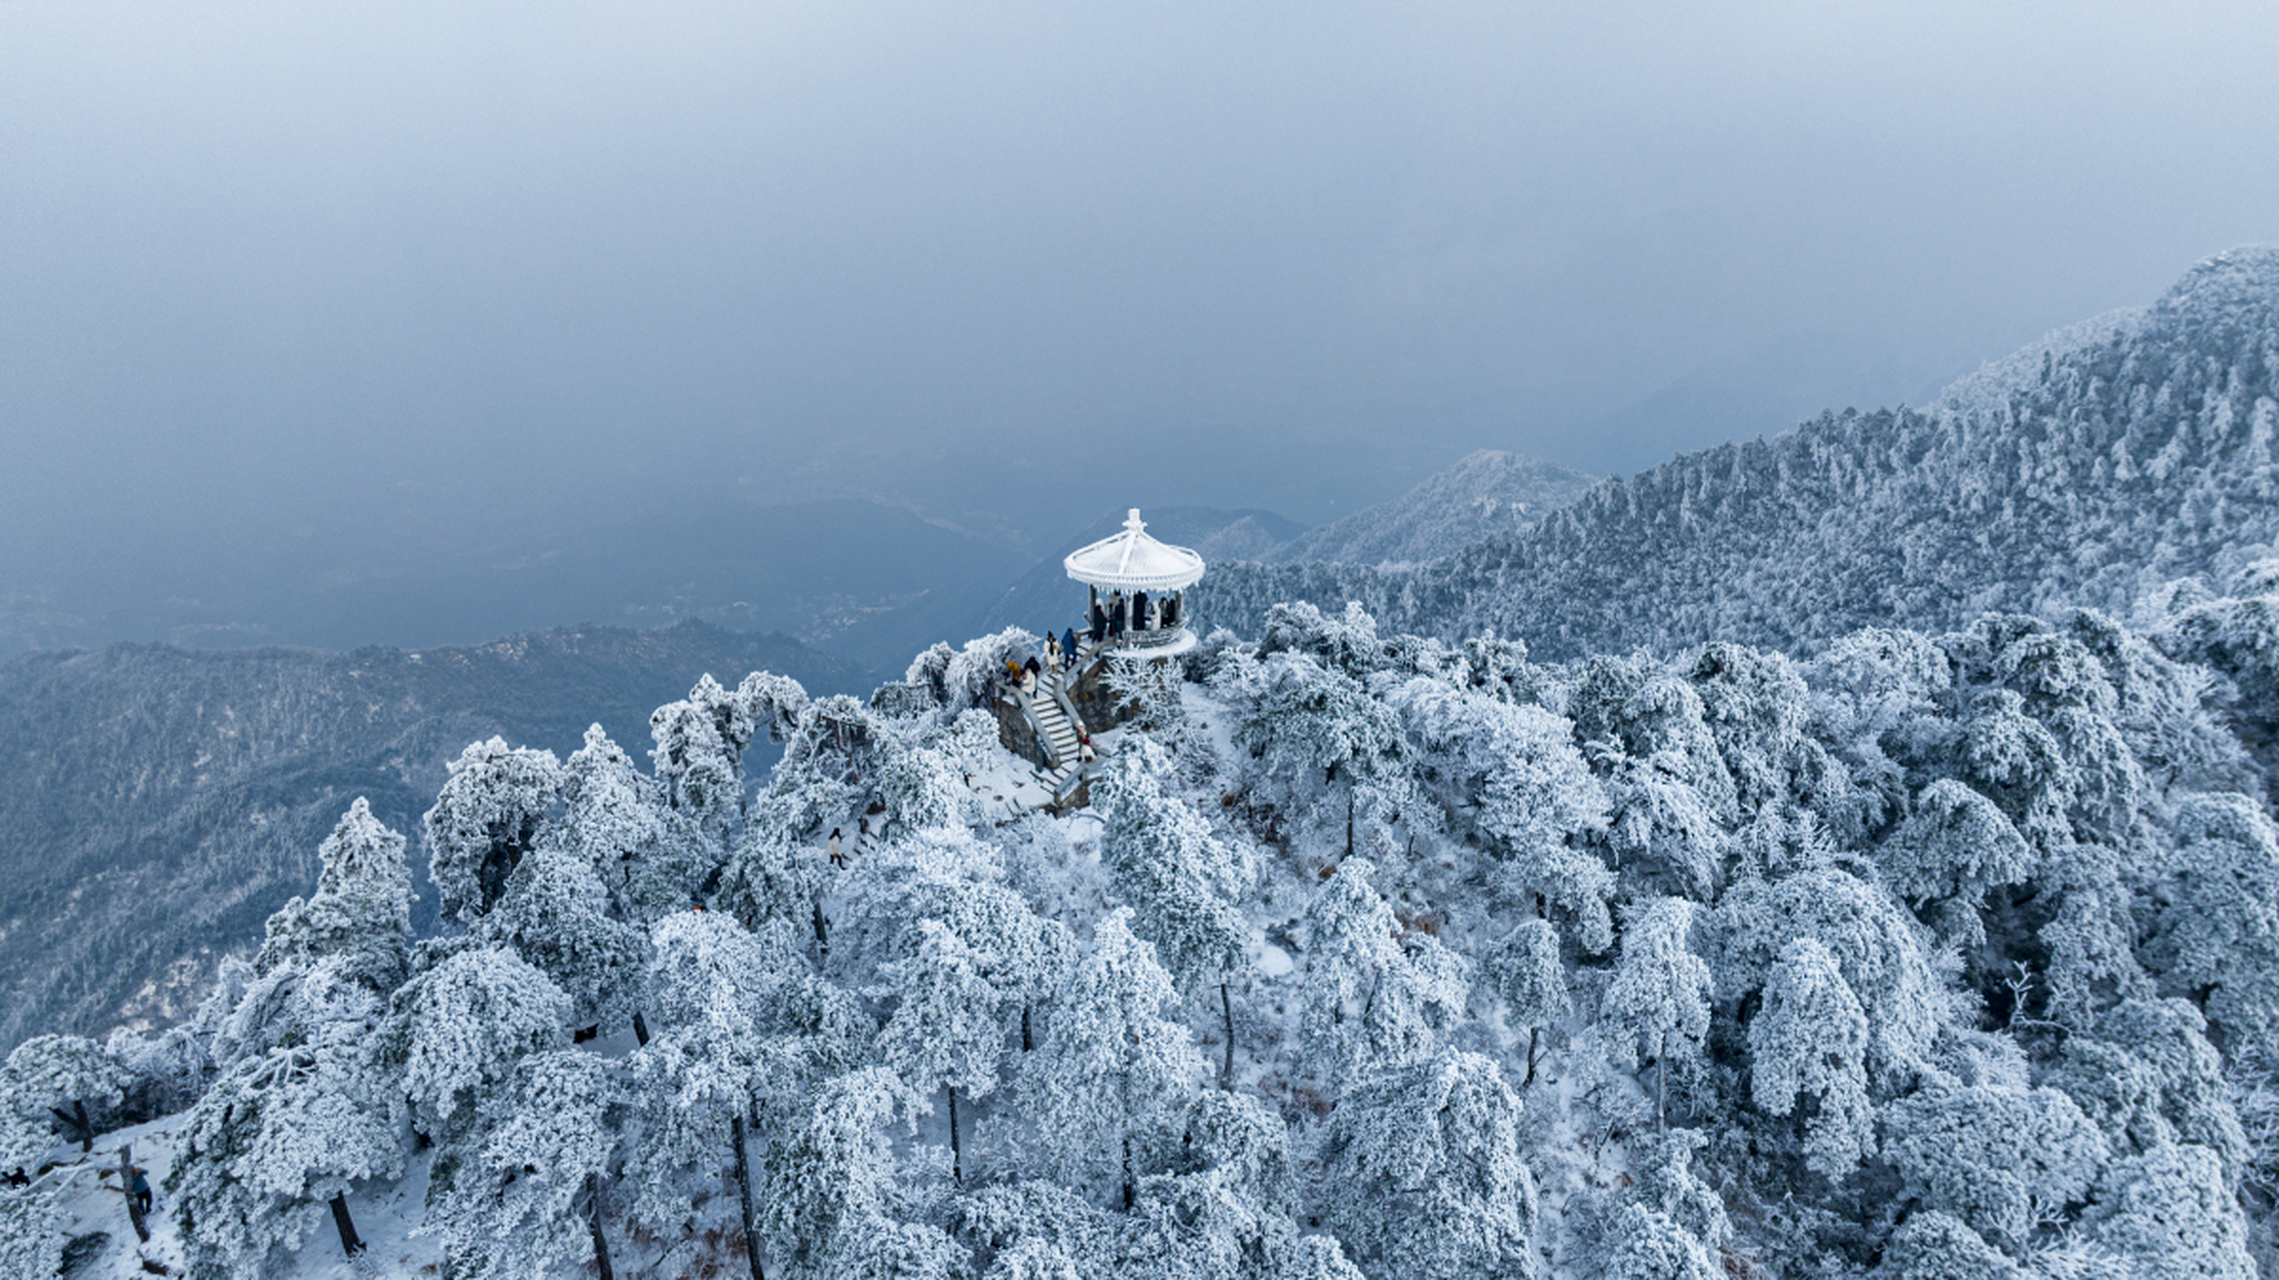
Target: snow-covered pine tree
(491, 811)
(922, 768)
(830, 1179)
(1997, 1157)
(1754, 703)
(32, 1222)
(1517, 774)
(1033, 1258)
(455, 1033)
(359, 918)
(1224, 1207)
(555, 917)
(1113, 1066)
(2149, 1077)
(301, 1109)
(1951, 850)
(1376, 997)
(521, 1199)
(1932, 1245)
(775, 871)
(166, 1072)
(1423, 1175)
(1875, 700)
(280, 1136)
(1525, 969)
(775, 703)
(1648, 1246)
(699, 758)
(1320, 1258)
(1878, 946)
(1668, 1185)
(1810, 1038)
(975, 670)
(947, 1029)
(1036, 1223)
(1184, 885)
(615, 818)
(1646, 733)
(2008, 755)
(2213, 916)
(948, 875)
(1638, 709)
(1319, 750)
(50, 1080)
(2166, 1215)
(32, 1228)
(722, 1049)
(26, 1132)
(1346, 641)
(1657, 1006)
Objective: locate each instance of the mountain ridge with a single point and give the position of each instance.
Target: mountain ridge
(1488, 492)
(144, 773)
(2087, 468)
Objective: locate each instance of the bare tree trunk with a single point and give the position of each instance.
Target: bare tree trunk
(957, 1158)
(349, 1243)
(127, 1185)
(86, 1128)
(76, 1121)
(744, 1192)
(1026, 1043)
(1532, 1033)
(593, 1221)
(640, 1029)
(822, 931)
(1226, 1014)
(1662, 1084)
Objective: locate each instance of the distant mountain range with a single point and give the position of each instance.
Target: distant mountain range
(867, 580)
(157, 804)
(2087, 469)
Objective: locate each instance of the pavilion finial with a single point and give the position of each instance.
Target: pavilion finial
(1133, 522)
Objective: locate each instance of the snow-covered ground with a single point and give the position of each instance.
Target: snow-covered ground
(385, 1213)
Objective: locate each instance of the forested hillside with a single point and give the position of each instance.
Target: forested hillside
(2089, 469)
(1487, 494)
(1932, 956)
(157, 804)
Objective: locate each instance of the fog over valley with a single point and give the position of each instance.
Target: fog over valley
(306, 309)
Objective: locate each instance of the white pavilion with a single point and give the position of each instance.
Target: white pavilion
(1139, 590)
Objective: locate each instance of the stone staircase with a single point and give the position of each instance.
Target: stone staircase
(1058, 735)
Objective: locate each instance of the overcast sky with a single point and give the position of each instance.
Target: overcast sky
(373, 270)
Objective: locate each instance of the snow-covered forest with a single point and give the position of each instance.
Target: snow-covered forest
(1928, 956)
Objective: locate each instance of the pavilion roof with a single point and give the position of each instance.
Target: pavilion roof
(1129, 560)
